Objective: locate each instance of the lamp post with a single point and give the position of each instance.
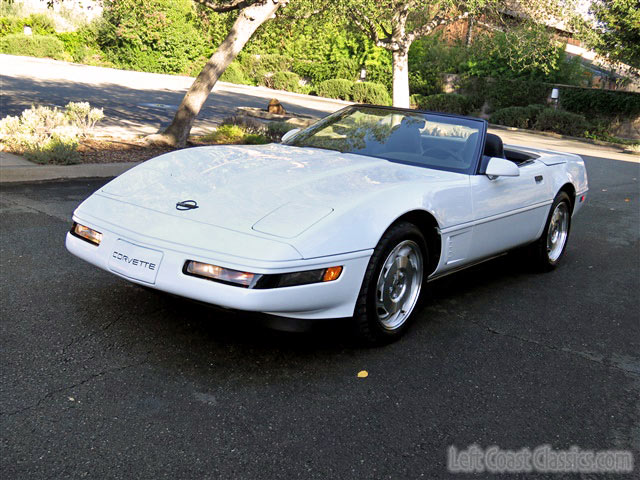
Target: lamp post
(555, 94)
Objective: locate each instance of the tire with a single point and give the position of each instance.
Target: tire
(546, 253)
(392, 285)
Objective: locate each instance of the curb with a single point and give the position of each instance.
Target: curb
(37, 173)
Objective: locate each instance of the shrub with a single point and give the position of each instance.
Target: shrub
(235, 135)
(288, 81)
(315, 71)
(40, 24)
(152, 35)
(564, 123)
(607, 103)
(370, 92)
(516, 93)
(519, 117)
(275, 130)
(234, 74)
(34, 46)
(447, 102)
(272, 63)
(248, 124)
(425, 83)
(335, 88)
(48, 135)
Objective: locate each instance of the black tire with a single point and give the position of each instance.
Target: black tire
(369, 328)
(538, 253)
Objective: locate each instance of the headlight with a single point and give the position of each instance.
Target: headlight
(257, 280)
(85, 233)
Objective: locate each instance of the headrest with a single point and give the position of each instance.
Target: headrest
(493, 146)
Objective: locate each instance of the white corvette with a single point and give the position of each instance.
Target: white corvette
(347, 218)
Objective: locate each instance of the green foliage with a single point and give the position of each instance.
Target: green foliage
(617, 37)
(503, 93)
(336, 88)
(34, 46)
(564, 123)
(446, 102)
(58, 149)
(519, 117)
(82, 46)
(152, 35)
(40, 24)
(606, 103)
(288, 81)
(235, 74)
(315, 71)
(83, 116)
(276, 130)
(234, 134)
(370, 92)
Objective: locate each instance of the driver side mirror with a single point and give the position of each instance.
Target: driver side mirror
(499, 167)
(289, 134)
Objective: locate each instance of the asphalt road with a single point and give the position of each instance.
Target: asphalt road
(133, 102)
(103, 379)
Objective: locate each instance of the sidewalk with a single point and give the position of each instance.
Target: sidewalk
(14, 168)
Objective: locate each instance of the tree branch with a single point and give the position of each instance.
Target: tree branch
(369, 27)
(226, 6)
(437, 21)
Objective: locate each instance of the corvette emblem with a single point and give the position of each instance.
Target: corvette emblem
(186, 205)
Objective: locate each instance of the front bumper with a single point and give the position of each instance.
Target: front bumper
(333, 299)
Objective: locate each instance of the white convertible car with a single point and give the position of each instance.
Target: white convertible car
(347, 218)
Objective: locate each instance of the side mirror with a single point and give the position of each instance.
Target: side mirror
(499, 167)
(289, 134)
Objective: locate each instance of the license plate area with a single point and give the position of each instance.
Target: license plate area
(134, 261)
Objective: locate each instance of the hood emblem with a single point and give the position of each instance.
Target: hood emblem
(187, 205)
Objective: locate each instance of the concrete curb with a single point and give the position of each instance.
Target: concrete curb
(37, 173)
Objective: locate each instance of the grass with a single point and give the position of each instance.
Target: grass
(233, 135)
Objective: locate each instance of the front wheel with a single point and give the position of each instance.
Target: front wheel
(547, 251)
(392, 285)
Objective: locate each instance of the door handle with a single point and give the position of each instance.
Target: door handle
(538, 178)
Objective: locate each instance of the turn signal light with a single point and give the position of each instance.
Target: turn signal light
(331, 273)
(86, 233)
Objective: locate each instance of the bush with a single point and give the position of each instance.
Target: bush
(152, 35)
(47, 135)
(564, 123)
(519, 117)
(40, 24)
(276, 130)
(606, 103)
(272, 63)
(315, 71)
(335, 88)
(288, 81)
(505, 93)
(34, 46)
(447, 102)
(234, 74)
(234, 135)
(369, 92)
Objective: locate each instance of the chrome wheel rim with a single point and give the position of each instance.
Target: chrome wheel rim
(399, 284)
(558, 231)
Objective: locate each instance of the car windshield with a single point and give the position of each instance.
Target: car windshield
(425, 139)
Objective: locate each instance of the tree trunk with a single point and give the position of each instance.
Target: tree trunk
(248, 21)
(401, 78)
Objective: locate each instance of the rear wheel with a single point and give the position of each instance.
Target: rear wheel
(549, 249)
(392, 285)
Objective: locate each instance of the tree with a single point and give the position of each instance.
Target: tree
(252, 14)
(395, 24)
(617, 34)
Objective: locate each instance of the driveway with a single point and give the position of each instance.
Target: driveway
(103, 379)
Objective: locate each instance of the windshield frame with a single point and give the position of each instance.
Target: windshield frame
(475, 161)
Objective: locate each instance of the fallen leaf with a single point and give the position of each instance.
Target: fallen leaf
(363, 374)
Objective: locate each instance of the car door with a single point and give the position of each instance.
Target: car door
(509, 211)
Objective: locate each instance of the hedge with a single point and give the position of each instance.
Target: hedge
(234, 74)
(564, 123)
(446, 102)
(40, 24)
(34, 46)
(336, 88)
(591, 102)
(519, 117)
(370, 92)
(288, 81)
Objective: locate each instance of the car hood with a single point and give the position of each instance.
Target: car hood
(275, 190)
